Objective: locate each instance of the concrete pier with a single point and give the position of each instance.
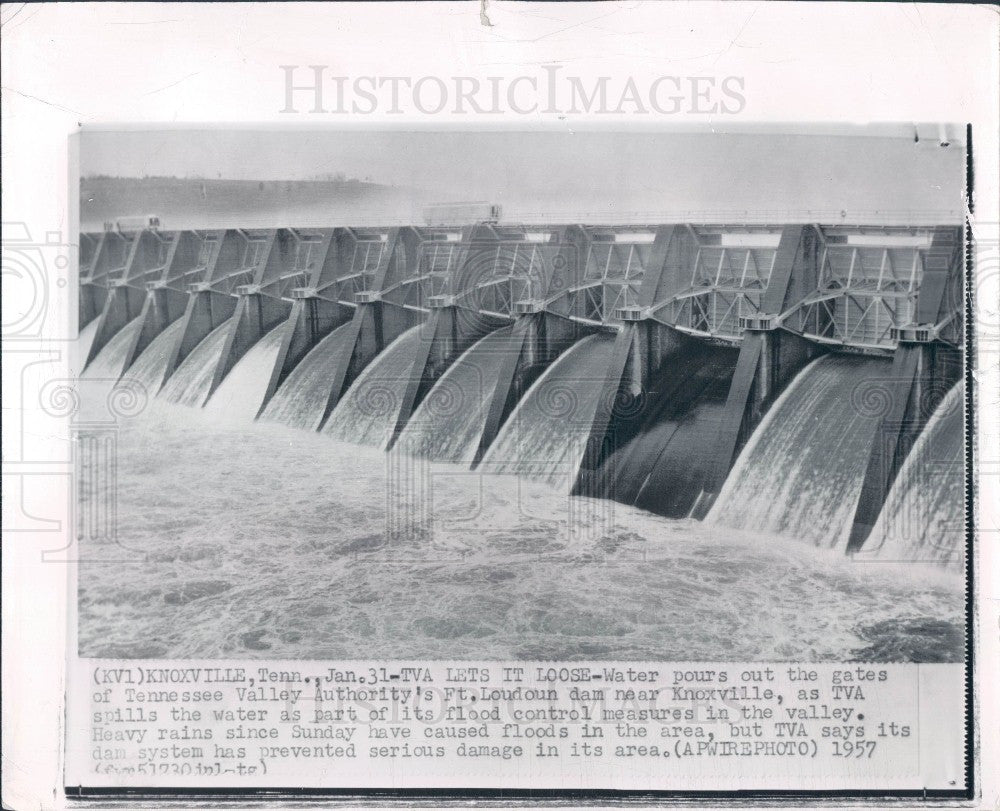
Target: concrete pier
(926, 363)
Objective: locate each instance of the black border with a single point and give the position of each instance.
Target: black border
(970, 473)
(496, 795)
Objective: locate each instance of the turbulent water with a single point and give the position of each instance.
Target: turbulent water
(449, 422)
(110, 362)
(545, 438)
(299, 401)
(241, 393)
(149, 367)
(800, 474)
(366, 413)
(190, 382)
(242, 539)
(924, 515)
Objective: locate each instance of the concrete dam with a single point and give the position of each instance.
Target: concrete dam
(797, 379)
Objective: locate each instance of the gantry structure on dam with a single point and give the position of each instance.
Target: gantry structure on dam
(778, 294)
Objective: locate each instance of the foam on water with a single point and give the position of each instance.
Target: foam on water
(241, 393)
(923, 519)
(801, 473)
(289, 557)
(301, 399)
(545, 438)
(319, 549)
(190, 382)
(450, 420)
(366, 414)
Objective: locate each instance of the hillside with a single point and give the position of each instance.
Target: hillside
(196, 203)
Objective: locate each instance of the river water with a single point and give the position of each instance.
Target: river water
(237, 538)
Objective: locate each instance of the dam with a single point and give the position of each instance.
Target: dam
(766, 376)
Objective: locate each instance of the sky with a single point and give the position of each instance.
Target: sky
(879, 169)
